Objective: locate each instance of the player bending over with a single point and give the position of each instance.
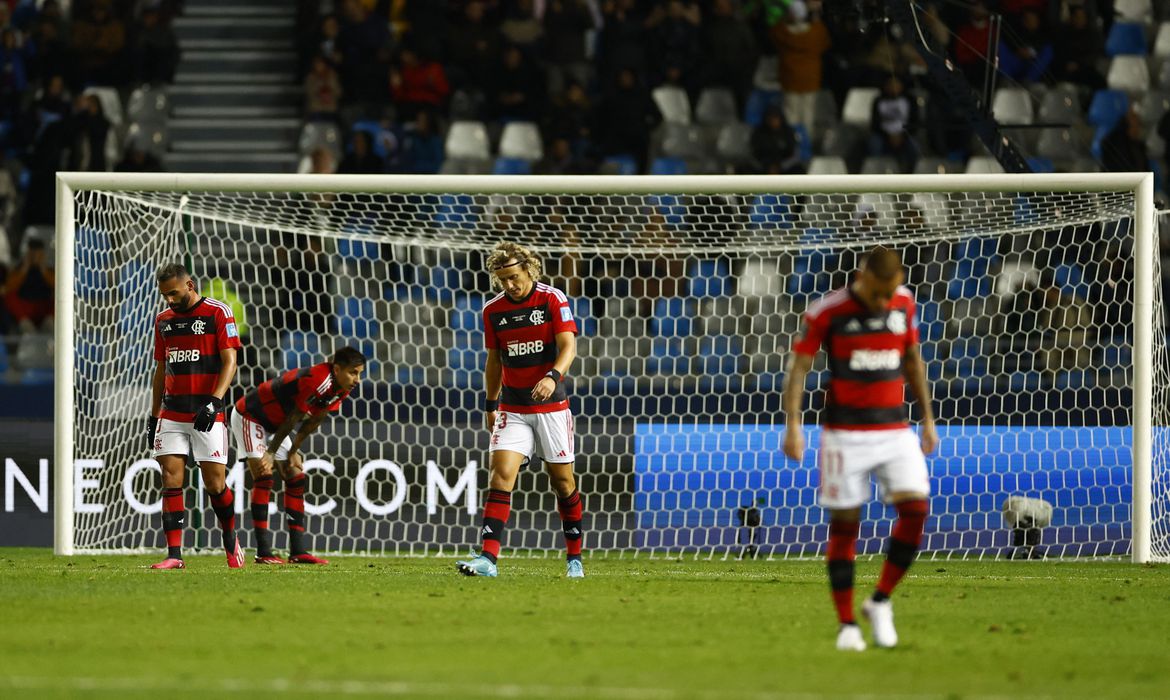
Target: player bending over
(195, 343)
(263, 423)
(870, 333)
(531, 341)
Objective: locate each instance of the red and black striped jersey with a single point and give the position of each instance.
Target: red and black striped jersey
(866, 354)
(190, 343)
(525, 334)
(309, 390)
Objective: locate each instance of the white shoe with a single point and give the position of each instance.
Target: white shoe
(849, 639)
(881, 617)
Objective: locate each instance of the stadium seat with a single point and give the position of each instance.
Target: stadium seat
(716, 106)
(669, 356)
(1129, 74)
(673, 103)
(859, 106)
(1058, 144)
(812, 271)
(467, 141)
(1041, 165)
(668, 166)
(1107, 108)
(803, 143)
(842, 140)
(757, 105)
(1141, 11)
(1012, 106)
(37, 375)
(1153, 105)
(300, 348)
(767, 73)
(669, 206)
(150, 137)
(456, 211)
(973, 258)
(720, 355)
(521, 140)
(511, 166)
(619, 165)
(1071, 280)
(673, 317)
(825, 110)
(709, 278)
(443, 284)
(582, 309)
(355, 317)
(772, 211)
(468, 312)
(983, 164)
(1126, 39)
(827, 165)
(1162, 41)
(682, 141)
(148, 105)
(316, 135)
(880, 165)
(734, 144)
(1061, 105)
(357, 249)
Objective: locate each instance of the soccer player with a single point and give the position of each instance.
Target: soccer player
(195, 343)
(870, 334)
(263, 424)
(531, 340)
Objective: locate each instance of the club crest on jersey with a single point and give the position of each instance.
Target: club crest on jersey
(198, 327)
(897, 322)
(537, 317)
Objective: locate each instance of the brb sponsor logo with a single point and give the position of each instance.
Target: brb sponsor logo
(520, 348)
(182, 356)
(869, 360)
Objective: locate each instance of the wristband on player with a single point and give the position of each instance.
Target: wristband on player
(554, 375)
(490, 405)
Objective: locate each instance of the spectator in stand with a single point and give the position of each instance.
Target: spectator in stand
(366, 45)
(322, 91)
(13, 76)
(99, 42)
(559, 159)
(625, 119)
(423, 23)
(361, 159)
(971, 43)
(1077, 47)
(519, 88)
(422, 147)
(570, 117)
(622, 43)
(327, 42)
(775, 146)
(154, 48)
(1026, 53)
(566, 23)
(474, 50)
(48, 51)
(1124, 149)
(730, 54)
(893, 117)
(674, 42)
(417, 83)
(520, 26)
(89, 129)
(29, 289)
(138, 160)
(801, 42)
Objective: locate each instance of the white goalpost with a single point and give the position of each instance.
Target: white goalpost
(1039, 308)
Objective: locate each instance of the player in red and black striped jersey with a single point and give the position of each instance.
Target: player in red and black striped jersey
(531, 340)
(195, 343)
(870, 332)
(263, 423)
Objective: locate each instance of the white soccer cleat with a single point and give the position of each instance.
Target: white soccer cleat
(881, 617)
(850, 639)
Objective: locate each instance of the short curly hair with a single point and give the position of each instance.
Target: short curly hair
(503, 252)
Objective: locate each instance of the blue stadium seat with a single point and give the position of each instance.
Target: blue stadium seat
(772, 211)
(668, 356)
(930, 323)
(93, 263)
(582, 310)
(1126, 38)
(37, 375)
(757, 105)
(1107, 108)
(357, 249)
(443, 283)
(668, 166)
(511, 166)
(355, 318)
(972, 259)
(709, 278)
(466, 359)
(300, 349)
(1041, 165)
(720, 354)
(804, 143)
(673, 317)
(456, 211)
(812, 268)
(620, 165)
(375, 130)
(1070, 279)
(668, 205)
(468, 313)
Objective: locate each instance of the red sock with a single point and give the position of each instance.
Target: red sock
(172, 518)
(495, 519)
(840, 554)
(570, 510)
(904, 541)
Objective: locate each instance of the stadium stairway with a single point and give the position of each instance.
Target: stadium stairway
(236, 98)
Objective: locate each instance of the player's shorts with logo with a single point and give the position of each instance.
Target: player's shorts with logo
(547, 435)
(178, 438)
(252, 439)
(848, 457)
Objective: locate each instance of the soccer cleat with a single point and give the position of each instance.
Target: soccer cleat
(268, 559)
(849, 638)
(479, 566)
(881, 617)
(574, 569)
(306, 558)
(169, 563)
(235, 558)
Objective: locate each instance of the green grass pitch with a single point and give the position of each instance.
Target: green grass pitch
(634, 629)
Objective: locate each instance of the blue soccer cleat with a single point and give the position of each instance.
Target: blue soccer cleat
(575, 569)
(479, 566)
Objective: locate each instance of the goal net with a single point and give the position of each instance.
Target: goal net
(1035, 299)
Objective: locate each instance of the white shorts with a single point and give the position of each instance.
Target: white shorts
(547, 435)
(847, 457)
(252, 439)
(175, 438)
